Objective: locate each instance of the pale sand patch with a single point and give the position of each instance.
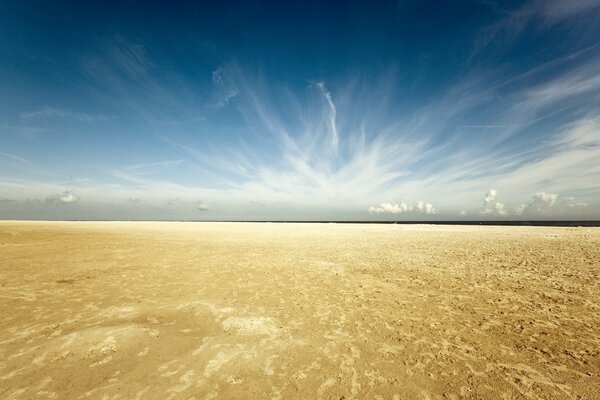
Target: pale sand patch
(297, 311)
(250, 326)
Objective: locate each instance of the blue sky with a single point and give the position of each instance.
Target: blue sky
(405, 110)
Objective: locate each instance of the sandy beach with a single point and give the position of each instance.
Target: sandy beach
(111, 310)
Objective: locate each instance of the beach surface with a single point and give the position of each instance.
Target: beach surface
(166, 310)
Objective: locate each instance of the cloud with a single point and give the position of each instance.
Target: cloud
(66, 197)
(331, 115)
(490, 197)
(425, 208)
(224, 88)
(543, 198)
(125, 71)
(420, 207)
(493, 207)
(6, 200)
(541, 203)
(518, 210)
(389, 208)
(138, 173)
(571, 203)
(501, 209)
(47, 112)
(462, 213)
(135, 200)
(17, 159)
(566, 90)
(541, 13)
(334, 147)
(319, 152)
(346, 141)
(201, 206)
(554, 11)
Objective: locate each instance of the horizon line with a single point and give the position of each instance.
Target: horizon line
(558, 223)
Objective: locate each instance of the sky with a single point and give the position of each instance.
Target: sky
(387, 110)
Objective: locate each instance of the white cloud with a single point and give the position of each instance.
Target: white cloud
(541, 203)
(390, 208)
(490, 197)
(462, 213)
(572, 203)
(66, 197)
(401, 207)
(544, 198)
(376, 156)
(518, 210)
(47, 112)
(425, 208)
(331, 117)
(317, 160)
(491, 206)
(501, 209)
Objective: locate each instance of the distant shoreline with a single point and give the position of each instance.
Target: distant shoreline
(483, 223)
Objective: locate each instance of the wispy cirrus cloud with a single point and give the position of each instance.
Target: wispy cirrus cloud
(543, 14)
(314, 159)
(123, 70)
(375, 159)
(138, 173)
(224, 89)
(347, 145)
(14, 158)
(47, 112)
(555, 11)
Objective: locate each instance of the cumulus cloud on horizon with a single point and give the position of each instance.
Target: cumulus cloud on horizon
(570, 202)
(541, 204)
(420, 207)
(491, 206)
(66, 197)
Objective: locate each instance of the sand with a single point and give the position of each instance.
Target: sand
(298, 311)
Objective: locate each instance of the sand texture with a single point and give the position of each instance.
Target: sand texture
(298, 311)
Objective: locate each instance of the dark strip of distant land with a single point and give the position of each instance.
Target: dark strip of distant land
(564, 223)
(502, 223)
